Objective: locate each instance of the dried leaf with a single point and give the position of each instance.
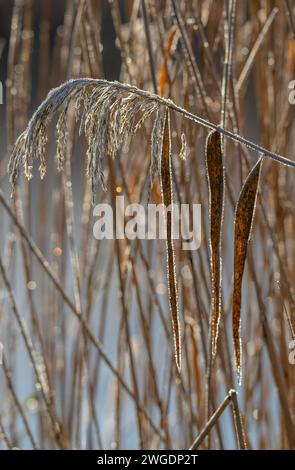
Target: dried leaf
(167, 199)
(244, 216)
(156, 146)
(215, 175)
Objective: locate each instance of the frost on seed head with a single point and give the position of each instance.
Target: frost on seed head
(108, 113)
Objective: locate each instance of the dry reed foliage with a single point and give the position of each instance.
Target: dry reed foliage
(88, 357)
(244, 216)
(215, 175)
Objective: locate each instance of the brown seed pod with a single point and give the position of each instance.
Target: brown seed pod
(215, 176)
(244, 216)
(167, 200)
